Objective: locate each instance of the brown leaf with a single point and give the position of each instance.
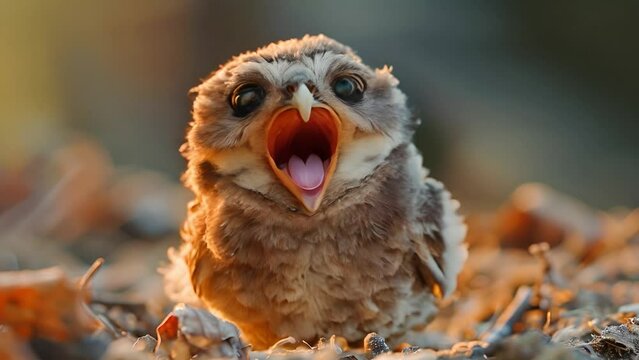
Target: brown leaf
(205, 335)
(42, 303)
(537, 213)
(12, 348)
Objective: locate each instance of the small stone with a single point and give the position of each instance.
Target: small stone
(349, 357)
(411, 349)
(321, 343)
(145, 343)
(375, 345)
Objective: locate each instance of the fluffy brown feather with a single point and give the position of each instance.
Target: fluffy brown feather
(385, 243)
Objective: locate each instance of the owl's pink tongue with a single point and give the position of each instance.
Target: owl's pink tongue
(307, 175)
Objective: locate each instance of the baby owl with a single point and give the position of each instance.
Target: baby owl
(313, 215)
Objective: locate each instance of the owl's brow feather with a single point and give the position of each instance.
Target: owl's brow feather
(254, 76)
(338, 66)
(295, 56)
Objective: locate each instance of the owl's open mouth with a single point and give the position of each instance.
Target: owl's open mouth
(303, 154)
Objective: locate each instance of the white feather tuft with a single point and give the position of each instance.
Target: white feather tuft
(177, 278)
(453, 231)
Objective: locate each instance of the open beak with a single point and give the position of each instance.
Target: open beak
(302, 142)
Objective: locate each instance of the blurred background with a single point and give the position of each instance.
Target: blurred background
(508, 92)
(94, 105)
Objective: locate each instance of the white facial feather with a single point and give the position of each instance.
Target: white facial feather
(371, 127)
(360, 157)
(248, 169)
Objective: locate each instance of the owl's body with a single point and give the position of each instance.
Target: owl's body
(362, 241)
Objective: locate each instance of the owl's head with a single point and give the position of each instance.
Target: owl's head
(297, 121)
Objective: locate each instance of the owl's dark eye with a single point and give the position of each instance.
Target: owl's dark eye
(246, 98)
(349, 88)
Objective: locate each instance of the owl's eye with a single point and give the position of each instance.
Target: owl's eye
(349, 88)
(246, 98)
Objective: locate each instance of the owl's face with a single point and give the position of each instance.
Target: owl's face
(298, 121)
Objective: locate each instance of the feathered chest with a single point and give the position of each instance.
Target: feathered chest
(348, 270)
(361, 239)
(313, 280)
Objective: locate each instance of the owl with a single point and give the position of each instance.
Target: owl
(313, 214)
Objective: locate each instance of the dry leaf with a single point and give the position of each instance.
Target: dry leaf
(123, 349)
(12, 348)
(536, 213)
(42, 303)
(189, 331)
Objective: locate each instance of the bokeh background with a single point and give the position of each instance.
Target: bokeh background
(94, 104)
(509, 92)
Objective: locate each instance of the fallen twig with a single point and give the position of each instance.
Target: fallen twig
(88, 275)
(504, 325)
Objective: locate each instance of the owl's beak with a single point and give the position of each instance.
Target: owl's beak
(303, 100)
(302, 142)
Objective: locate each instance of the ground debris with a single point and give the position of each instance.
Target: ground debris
(43, 303)
(125, 349)
(12, 347)
(533, 345)
(375, 345)
(189, 331)
(581, 273)
(618, 341)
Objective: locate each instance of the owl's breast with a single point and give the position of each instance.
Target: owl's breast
(348, 270)
(319, 287)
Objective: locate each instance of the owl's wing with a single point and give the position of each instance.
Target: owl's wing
(438, 233)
